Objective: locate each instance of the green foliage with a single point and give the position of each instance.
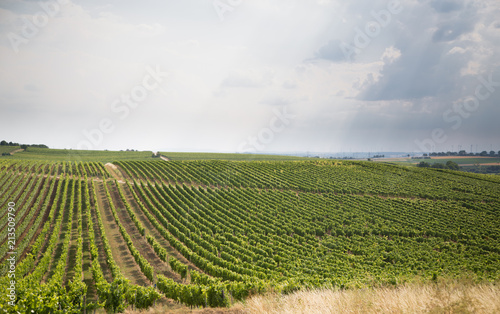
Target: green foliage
(452, 165)
(142, 297)
(178, 267)
(449, 165)
(115, 295)
(247, 227)
(6, 150)
(233, 157)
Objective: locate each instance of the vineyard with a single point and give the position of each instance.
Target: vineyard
(208, 233)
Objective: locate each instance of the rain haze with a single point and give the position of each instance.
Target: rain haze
(251, 75)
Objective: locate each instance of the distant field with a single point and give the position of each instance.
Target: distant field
(235, 157)
(34, 153)
(459, 160)
(8, 149)
(467, 160)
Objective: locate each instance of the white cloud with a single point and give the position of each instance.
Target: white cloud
(225, 76)
(391, 54)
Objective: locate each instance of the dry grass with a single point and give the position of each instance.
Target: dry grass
(442, 297)
(449, 297)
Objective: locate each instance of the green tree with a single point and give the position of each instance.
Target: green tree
(439, 166)
(423, 164)
(452, 165)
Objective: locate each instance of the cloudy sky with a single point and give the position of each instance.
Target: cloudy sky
(251, 75)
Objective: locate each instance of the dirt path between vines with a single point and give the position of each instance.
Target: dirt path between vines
(121, 254)
(16, 151)
(139, 241)
(100, 247)
(115, 172)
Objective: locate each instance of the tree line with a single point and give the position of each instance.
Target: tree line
(23, 146)
(484, 153)
(449, 165)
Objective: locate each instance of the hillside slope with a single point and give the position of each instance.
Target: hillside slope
(210, 233)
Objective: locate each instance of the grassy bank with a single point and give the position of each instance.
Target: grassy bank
(441, 297)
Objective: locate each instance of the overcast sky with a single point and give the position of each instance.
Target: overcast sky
(251, 75)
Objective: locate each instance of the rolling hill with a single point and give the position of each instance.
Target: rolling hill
(208, 233)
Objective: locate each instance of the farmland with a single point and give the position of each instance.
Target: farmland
(8, 149)
(461, 161)
(234, 157)
(46, 154)
(112, 226)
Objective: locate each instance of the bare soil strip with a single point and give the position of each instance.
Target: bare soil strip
(139, 241)
(16, 151)
(115, 173)
(121, 254)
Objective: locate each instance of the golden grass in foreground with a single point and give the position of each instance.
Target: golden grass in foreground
(450, 297)
(443, 297)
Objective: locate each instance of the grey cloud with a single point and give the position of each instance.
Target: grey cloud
(455, 25)
(446, 6)
(451, 30)
(425, 68)
(416, 75)
(263, 55)
(331, 51)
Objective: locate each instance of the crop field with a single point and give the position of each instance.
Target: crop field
(461, 161)
(48, 154)
(210, 233)
(235, 157)
(8, 149)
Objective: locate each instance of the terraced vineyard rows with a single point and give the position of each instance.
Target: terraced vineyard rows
(209, 233)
